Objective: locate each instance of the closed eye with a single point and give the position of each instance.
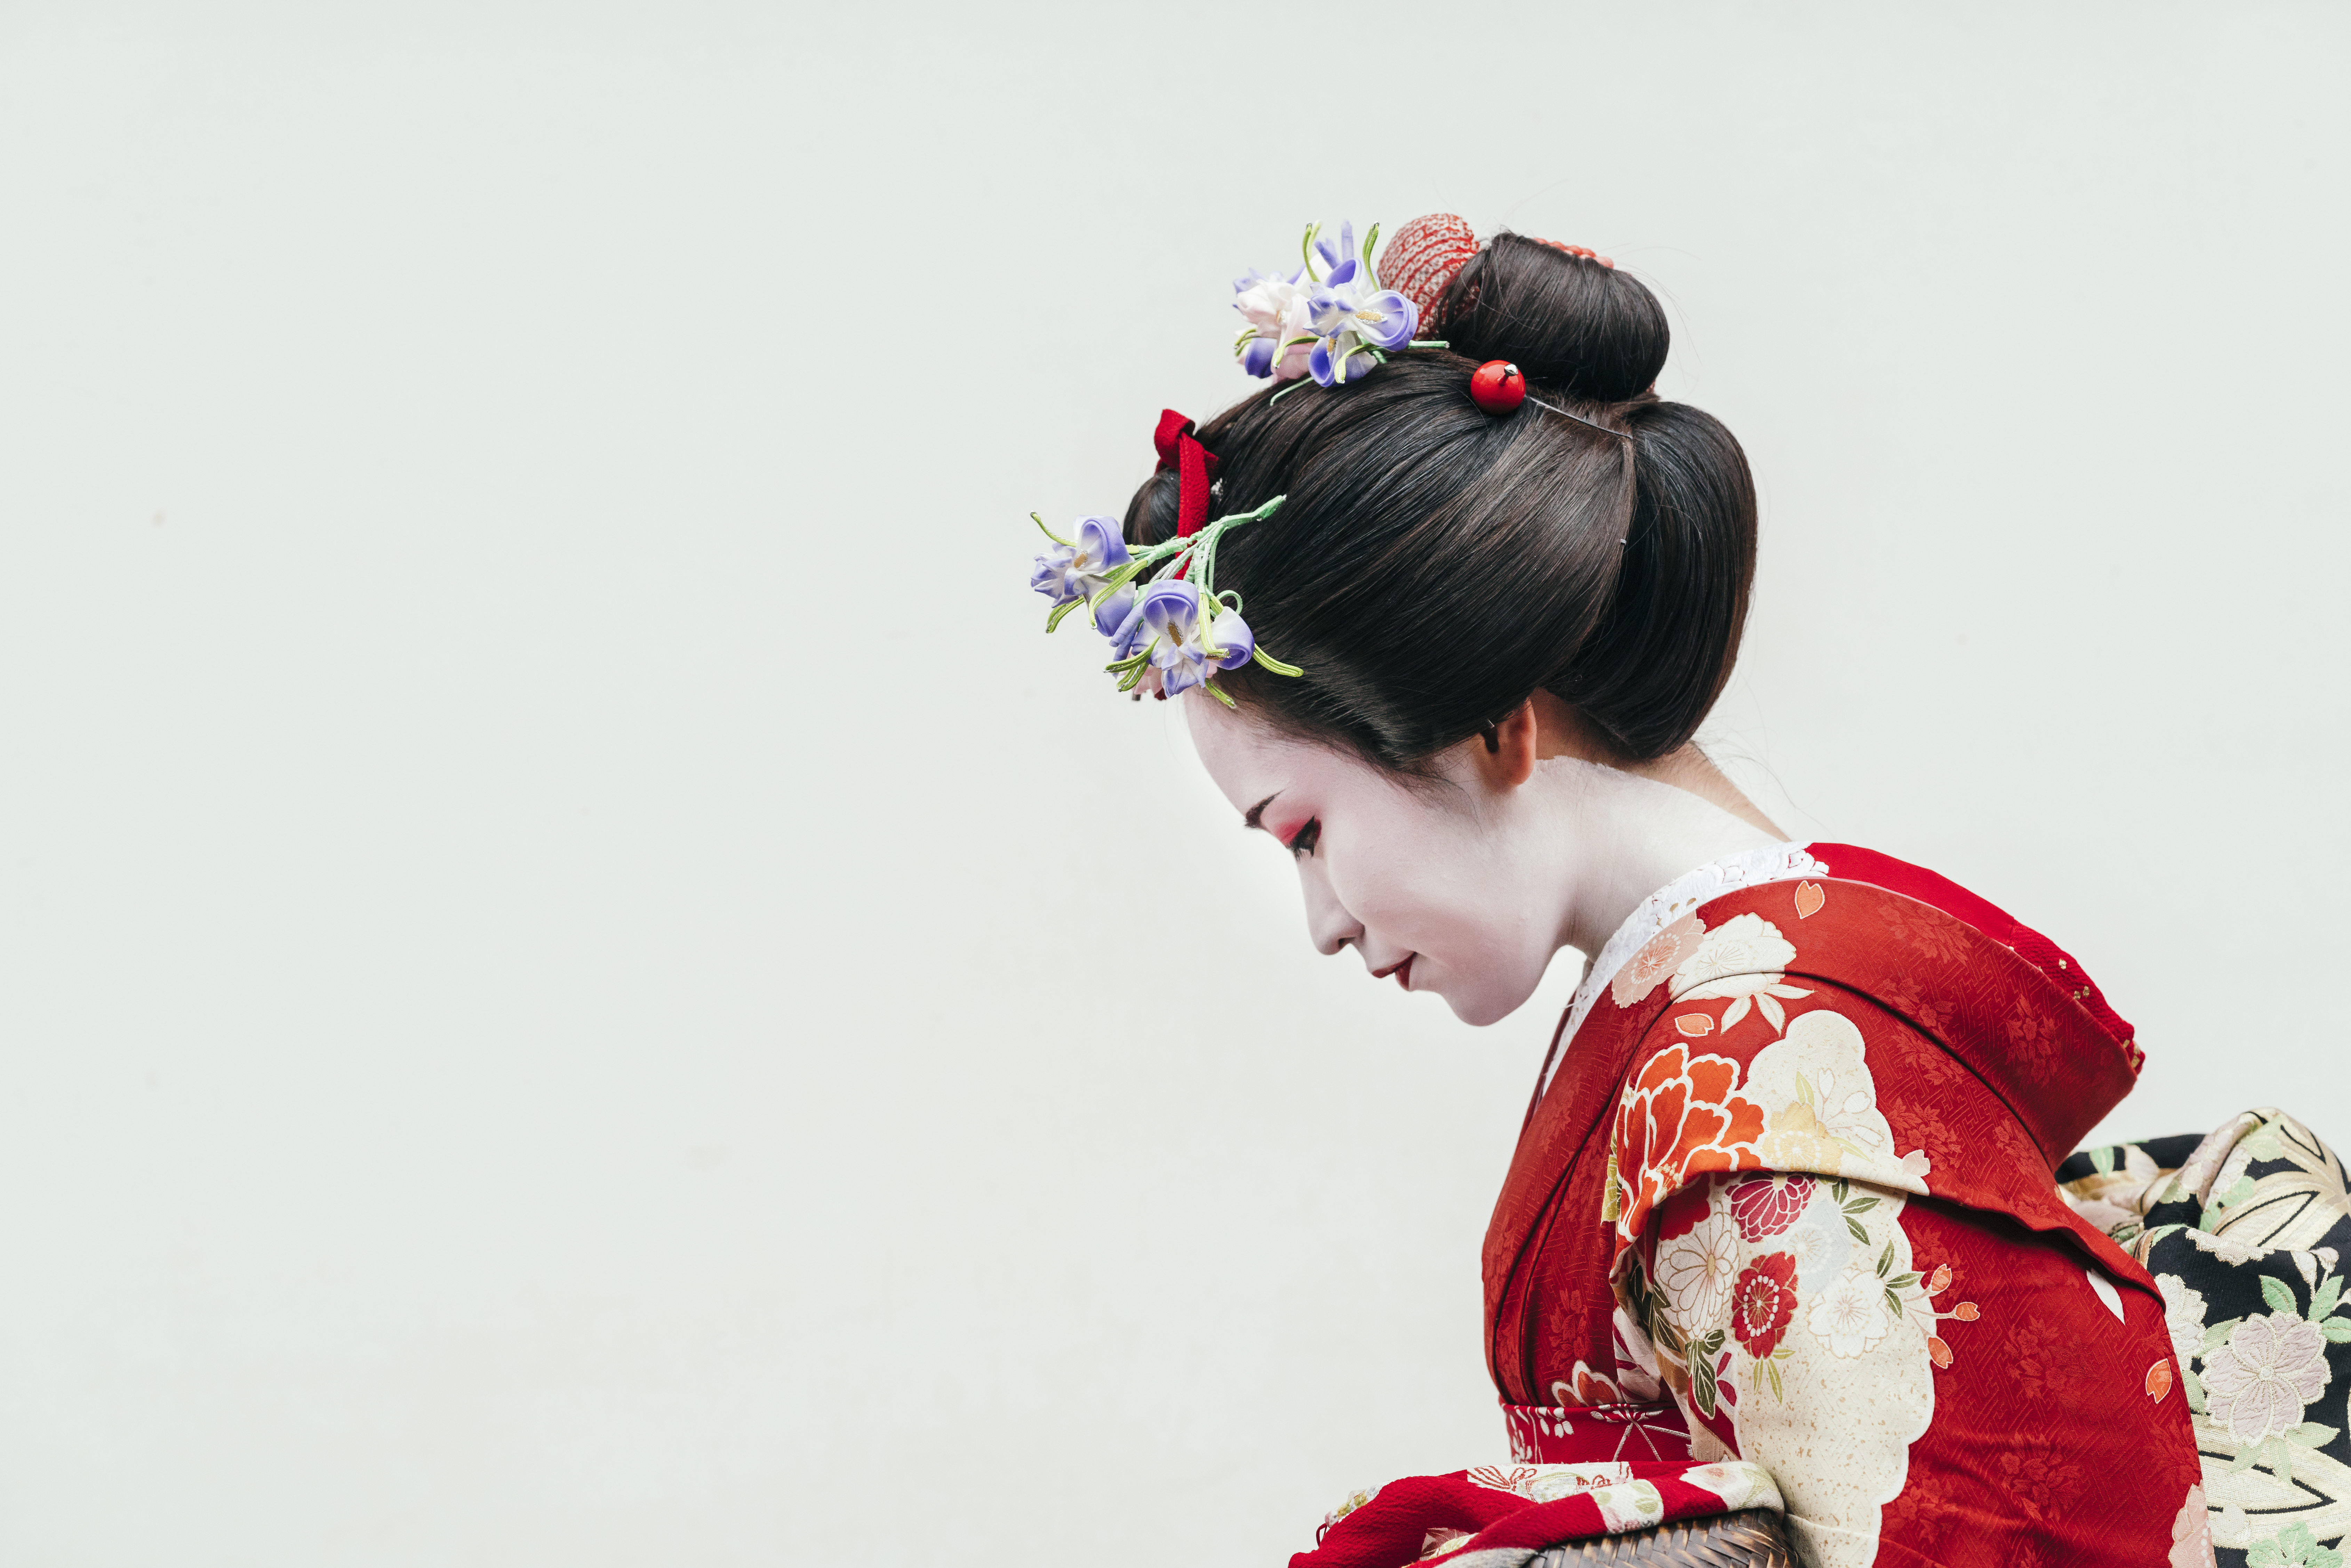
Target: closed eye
(1301, 843)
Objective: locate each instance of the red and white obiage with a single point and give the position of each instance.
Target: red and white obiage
(1783, 1217)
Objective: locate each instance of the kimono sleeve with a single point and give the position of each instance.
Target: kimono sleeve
(1790, 1324)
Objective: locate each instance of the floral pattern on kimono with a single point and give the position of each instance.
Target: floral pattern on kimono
(1804, 1143)
(2245, 1232)
(1784, 1303)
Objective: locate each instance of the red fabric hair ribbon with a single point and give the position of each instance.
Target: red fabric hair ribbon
(1195, 470)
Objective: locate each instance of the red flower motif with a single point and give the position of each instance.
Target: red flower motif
(1681, 1118)
(1767, 1205)
(1763, 1302)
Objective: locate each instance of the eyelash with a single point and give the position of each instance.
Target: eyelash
(1301, 843)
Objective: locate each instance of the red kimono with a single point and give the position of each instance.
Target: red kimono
(1789, 1198)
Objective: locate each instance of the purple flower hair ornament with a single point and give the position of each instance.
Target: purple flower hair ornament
(1075, 571)
(1333, 324)
(1170, 634)
(1189, 642)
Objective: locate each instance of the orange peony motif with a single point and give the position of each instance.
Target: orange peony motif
(1648, 969)
(1697, 1026)
(2159, 1381)
(1681, 1118)
(1809, 899)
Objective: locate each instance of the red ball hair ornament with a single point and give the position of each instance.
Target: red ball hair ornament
(1422, 257)
(1498, 387)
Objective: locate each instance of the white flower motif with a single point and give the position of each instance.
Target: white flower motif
(1276, 309)
(2257, 1383)
(1696, 1272)
(2183, 1315)
(1821, 1244)
(1632, 1506)
(1738, 1482)
(1850, 1317)
(1551, 1482)
(1744, 959)
(2227, 1249)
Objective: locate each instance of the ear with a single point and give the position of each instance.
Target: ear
(1506, 755)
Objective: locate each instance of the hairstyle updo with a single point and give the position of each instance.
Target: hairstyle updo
(1434, 566)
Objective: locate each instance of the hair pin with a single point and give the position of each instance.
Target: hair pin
(1499, 387)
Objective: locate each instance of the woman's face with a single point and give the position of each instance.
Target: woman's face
(1422, 883)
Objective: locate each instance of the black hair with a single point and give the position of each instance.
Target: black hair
(1433, 565)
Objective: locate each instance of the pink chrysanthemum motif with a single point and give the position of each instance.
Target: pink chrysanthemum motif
(1767, 1205)
(1423, 256)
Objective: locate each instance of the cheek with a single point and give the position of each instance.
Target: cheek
(1414, 877)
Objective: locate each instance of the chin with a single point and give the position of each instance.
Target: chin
(1487, 1004)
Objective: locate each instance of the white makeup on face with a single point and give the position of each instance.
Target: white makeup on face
(1461, 888)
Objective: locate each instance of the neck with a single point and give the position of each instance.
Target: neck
(1613, 837)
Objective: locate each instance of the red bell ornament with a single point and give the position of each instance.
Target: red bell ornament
(1498, 387)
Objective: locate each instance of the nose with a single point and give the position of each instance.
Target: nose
(1328, 924)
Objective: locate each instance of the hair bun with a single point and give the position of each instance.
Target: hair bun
(1422, 258)
(1569, 319)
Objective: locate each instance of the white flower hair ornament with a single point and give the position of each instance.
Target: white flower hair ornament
(1168, 627)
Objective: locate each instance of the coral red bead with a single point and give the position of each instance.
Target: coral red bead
(1498, 387)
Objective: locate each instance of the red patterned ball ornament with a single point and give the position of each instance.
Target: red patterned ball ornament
(1422, 258)
(1498, 387)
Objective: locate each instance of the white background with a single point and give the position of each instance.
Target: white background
(578, 984)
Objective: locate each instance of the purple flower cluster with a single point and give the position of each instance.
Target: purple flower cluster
(1332, 326)
(1168, 636)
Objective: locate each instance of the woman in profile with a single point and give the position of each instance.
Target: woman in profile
(1785, 1225)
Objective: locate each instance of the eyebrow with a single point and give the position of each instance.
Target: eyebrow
(1250, 822)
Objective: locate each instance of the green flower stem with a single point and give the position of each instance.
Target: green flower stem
(1050, 533)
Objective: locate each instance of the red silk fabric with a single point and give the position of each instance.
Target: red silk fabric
(2051, 1436)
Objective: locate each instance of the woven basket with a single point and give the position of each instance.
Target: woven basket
(1752, 1538)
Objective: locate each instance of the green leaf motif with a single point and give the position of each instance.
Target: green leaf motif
(1886, 1261)
(2102, 1161)
(2311, 1435)
(1702, 1385)
(2337, 1330)
(2279, 1295)
(2193, 1388)
(2218, 1335)
(2323, 1299)
(1859, 1233)
(2292, 1547)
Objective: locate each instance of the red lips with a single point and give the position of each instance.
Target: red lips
(1401, 970)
